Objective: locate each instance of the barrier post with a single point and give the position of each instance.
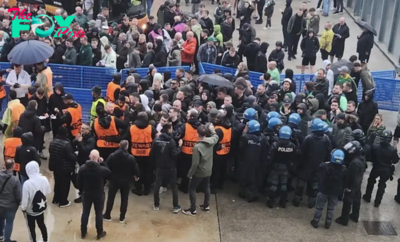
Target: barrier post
(81, 77)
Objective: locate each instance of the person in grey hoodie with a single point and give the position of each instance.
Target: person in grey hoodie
(202, 162)
(10, 200)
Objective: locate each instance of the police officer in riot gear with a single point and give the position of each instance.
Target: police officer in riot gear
(328, 133)
(315, 149)
(293, 123)
(352, 195)
(383, 155)
(272, 129)
(359, 136)
(253, 147)
(280, 156)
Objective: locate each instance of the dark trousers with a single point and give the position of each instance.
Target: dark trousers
(98, 201)
(268, 24)
(169, 175)
(62, 182)
(278, 177)
(146, 171)
(285, 36)
(319, 3)
(334, 3)
(113, 188)
(184, 164)
(293, 44)
(384, 175)
(339, 4)
(194, 183)
(351, 203)
(322, 199)
(324, 54)
(31, 221)
(219, 171)
(260, 8)
(7, 216)
(312, 188)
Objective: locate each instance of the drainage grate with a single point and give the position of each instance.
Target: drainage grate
(379, 228)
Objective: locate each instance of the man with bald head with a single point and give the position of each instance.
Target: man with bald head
(342, 32)
(91, 179)
(80, 18)
(188, 49)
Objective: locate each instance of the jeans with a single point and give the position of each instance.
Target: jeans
(149, 5)
(194, 183)
(320, 204)
(32, 220)
(170, 176)
(124, 188)
(97, 199)
(7, 216)
(326, 7)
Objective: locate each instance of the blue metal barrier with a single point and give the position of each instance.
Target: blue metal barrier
(143, 71)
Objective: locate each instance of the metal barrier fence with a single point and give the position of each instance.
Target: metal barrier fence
(386, 94)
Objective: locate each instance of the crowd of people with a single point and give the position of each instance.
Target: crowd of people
(161, 133)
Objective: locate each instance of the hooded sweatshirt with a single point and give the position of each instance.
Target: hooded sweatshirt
(11, 195)
(202, 159)
(145, 102)
(35, 183)
(261, 58)
(218, 35)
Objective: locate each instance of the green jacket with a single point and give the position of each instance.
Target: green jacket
(342, 135)
(374, 135)
(218, 34)
(202, 158)
(81, 20)
(85, 55)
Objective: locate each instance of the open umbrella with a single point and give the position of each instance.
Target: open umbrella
(215, 80)
(30, 52)
(366, 26)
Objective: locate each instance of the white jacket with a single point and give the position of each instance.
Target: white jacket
(36, 182)
(24, 79)
(110, 59)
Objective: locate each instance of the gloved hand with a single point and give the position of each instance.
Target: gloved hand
(16, 85)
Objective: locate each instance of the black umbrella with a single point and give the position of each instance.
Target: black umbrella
(366, 26)
(215, 80)
(30, 52)
(338, 64)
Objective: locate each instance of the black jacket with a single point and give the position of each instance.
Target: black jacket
(343, 31)
(148, 58)
(310, 46)
(230, 61)
(55, 100)
(383, 156)
(283, 152)
(365, 42)
(226, 31)
(91, 178)
(59, 51)
(26, 153)
(42, 105)
(367, 111)
(160, 58)
(332, 179)
(209, 25)
(287, 13)
(169, 17)
(30, 122)
(62, 156)
(261, 59)
(277, 56)
(123, 166)
(251, 52)
(164, 152)
(356, 171)
(84, 147)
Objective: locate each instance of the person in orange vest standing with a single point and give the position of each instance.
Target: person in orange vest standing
(45, 78)
(12, 114)
(188, 133)
(11, 144)
(106, 129)
(72, 116)
(142, 135)
(223, 128)
(113, 88)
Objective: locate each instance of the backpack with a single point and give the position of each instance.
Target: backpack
(39, 202)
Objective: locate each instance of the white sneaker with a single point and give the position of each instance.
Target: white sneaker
(163, 189)
(156, 208)
(319, 9)
(265, 27)
(66, 205)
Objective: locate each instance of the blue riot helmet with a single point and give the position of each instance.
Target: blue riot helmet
(294, 118)
(337, 157)
(317, 125)
(285, 132)
(253, 126)
(326, 127)
(272, 114)
(250, 114)
(274, 122)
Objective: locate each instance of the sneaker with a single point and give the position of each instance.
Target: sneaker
(78, 200)
(121, 220)
(176, 209)
(205, 209)
(42, 156)
(189, 212)
(101, 235)
(65, 205)
(107, 218)
(163, 189)
(1, 238)
(156, 208)
(265, 28)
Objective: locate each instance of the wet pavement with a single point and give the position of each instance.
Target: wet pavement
(230, 219)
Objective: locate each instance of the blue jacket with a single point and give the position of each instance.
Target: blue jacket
(207, 54)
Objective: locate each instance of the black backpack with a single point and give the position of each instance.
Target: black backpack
(39, 202)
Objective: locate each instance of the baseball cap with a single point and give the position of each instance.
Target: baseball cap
(357, 64)
(211, 39)
(287, 100)
(250, 99)
(344, 68)
(341, 116)
(197, 103)
(68, 96)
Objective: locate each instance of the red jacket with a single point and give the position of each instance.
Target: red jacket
(188, 50)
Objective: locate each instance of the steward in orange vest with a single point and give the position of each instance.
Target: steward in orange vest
(141, 138)
(223, 128)
(106, 129)
(188, 133)
(120, 107)
(113, 88)
(11, 144)
(72, 118)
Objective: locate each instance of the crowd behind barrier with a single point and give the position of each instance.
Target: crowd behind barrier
(78, 80)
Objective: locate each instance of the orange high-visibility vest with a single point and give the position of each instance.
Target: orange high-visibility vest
(10, 147)
(2, 91)
(49, 81)
(76, 119)
(141, 140)
(226, 140)
(111, 87)
(189, 140)
(102, 133)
